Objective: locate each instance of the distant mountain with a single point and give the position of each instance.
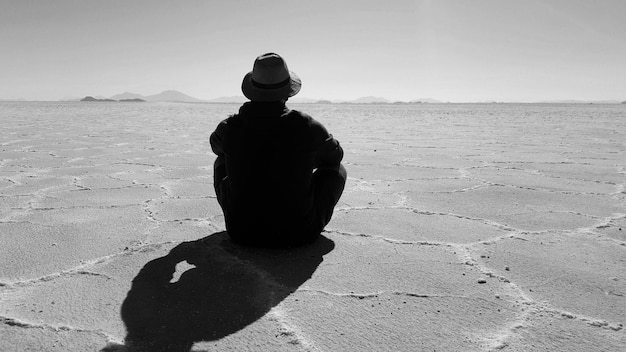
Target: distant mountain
(127, 95)
(89, 98)
(171, 96)
(166, 96)
(133, 100)
(426, 100)
(370, 100)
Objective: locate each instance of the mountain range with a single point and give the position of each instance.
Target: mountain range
(176, 96)
(165, 96)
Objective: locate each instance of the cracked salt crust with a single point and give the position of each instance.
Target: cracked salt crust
(457, 196)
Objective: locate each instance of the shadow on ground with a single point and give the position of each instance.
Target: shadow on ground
(229, 288)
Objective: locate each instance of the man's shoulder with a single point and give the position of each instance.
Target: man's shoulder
(309, 125)
(230, 120)
(298, 114)
(304, 118)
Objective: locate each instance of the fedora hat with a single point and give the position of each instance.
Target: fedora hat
(270, 80)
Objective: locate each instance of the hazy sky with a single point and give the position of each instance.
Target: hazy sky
(504, 50)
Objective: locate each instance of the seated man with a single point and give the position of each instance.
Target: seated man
(277, 175)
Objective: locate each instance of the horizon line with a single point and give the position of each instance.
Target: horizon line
(344, 101)
(368, 99)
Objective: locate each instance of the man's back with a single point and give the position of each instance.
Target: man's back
(270, 153)
(278, 172)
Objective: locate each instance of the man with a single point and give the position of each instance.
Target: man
(278, 174)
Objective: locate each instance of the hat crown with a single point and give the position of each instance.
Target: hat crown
(270, 80)
(270, 68)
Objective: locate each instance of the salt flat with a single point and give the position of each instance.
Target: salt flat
(462, 228)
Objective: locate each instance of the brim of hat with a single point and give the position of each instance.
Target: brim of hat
(257, 94)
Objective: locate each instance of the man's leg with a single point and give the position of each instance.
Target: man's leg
(219, 171)
(328, 185)
(220, 182)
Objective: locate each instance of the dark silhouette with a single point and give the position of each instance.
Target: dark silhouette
(278, 173)
(229, 288)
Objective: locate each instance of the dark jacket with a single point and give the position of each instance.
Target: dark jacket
(270, 154)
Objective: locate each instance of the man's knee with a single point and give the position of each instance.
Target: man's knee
(219, 171)
(335, 175)
(329, 183)
(343, 172)
(339, 169)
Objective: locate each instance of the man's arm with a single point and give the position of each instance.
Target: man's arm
(217, 139)
(217, 145)
(330, 153)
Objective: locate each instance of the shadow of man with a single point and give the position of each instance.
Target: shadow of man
(229, 288)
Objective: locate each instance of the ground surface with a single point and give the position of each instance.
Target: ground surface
(462, 228)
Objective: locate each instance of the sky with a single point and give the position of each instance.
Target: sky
(451, 50)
